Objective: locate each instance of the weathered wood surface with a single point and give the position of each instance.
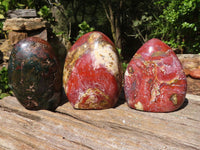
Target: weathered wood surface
(117, 128)
(22, 13)
(21, 24)
(191, 62)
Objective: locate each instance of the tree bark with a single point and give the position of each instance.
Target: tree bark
(114, 20)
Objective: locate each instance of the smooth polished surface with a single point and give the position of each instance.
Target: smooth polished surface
(154, 79)
(34, 74)
(92, 73)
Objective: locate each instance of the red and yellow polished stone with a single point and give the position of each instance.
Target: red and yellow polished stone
(154, 79)
(92, 72)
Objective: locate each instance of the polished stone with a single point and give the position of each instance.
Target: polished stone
(34, 74)
(92, 72)
(154, 79)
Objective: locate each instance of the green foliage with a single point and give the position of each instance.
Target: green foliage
(4, 87)
(3, 8)
(176, 22)
(124, 63)
(6, 5)
(84, 28)
(2, 33)
(45, 12)
(21, 4)
(142, 26)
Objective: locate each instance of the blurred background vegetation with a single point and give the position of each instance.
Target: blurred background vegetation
(128, 23)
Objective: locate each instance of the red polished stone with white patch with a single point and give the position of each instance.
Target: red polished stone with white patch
(154, 79)
(92, 72)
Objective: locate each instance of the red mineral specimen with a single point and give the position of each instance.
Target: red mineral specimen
(154, 79)
(92, 72)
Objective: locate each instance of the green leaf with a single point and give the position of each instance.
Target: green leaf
(84, 28)
(6, 87)
(2, 95)
(2, 16)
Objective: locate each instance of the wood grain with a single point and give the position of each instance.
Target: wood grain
(120, 128)
(22, 13)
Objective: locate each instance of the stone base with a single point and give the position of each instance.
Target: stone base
(6, 48)
(16, 36)
(18, 24)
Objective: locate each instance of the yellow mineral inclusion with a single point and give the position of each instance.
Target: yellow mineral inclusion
(94, 37)
(76, 105)
(137, 56)
(139, 106)
(92, 101)
(158, 53)
(173, 98)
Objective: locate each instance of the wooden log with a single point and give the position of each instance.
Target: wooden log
(116, 128)
(22, 13)
(190, 63)
(19, 24)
